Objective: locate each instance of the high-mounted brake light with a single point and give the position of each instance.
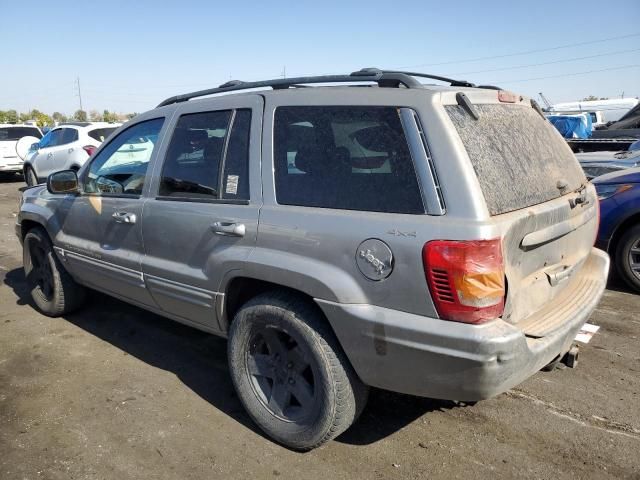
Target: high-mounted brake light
(507, 97)
(466, 279)
(90, 149)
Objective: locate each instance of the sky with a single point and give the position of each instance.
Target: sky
(130, 55)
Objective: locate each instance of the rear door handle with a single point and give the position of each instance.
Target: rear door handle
(228, 229)
(124, 217)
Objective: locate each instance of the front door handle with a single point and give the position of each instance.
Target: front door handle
(124, 217)
(229, 229)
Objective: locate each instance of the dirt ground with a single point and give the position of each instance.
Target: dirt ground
(114, 392)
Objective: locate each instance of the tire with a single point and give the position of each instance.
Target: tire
(290, 373)
(627, 257)
(52, 289)
(30, 177)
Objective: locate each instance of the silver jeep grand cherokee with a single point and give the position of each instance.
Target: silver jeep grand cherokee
(431, 240)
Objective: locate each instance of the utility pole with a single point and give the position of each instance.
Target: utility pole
(79, 92)
(284, 71)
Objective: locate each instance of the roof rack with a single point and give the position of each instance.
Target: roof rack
(384, 78)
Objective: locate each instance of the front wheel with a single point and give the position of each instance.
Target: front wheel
(52, 289)
(30, 177)
(628, 257)
(290, 372)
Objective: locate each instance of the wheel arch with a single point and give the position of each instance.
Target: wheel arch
(29, 224)
(240, 289)
(620, 229)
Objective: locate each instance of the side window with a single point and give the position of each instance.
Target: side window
(44, 141)
(121, 167)
(236, 162)
(201, 146)
(51, 139)
(68, 135)
(351, 158)
(194, 156)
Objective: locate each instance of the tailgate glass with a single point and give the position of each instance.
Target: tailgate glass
(518, 157)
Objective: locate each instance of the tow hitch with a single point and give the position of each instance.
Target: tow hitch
(570, 359)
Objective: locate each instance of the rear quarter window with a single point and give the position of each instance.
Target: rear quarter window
(517, 155)
(16, 133)
(347, 157)
(101, 134)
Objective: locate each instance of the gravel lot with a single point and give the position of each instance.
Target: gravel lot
(114, 392)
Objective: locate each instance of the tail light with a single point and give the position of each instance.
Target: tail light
(466, 279)
(90, 149)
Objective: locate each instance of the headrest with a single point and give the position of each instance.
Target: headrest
(314, 161)
(378, 138)
(213, 147)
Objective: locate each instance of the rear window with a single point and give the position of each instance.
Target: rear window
(518, 156)
(101, 134)
(351, 158)
(16, 133)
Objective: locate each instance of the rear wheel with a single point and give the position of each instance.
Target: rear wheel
(52, 289)
(290, 372)
(628, 257)
(30, 176)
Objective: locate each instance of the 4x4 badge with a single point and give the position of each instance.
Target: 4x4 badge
(398, 233)
(374, 259)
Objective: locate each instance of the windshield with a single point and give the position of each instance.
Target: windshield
(16, 133)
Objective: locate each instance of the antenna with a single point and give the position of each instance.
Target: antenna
(79, 92)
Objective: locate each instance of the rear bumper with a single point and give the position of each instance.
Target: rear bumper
(10, 165)
(433, 358)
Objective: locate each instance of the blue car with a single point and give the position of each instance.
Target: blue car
(619, 233)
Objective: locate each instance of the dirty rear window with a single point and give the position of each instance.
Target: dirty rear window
(518, 156)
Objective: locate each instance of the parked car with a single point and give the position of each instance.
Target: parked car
(619, 232)
(14, 143)
(67, 146)
(595, 164)
(341, 237)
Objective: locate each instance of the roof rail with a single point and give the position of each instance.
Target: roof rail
(384, 78)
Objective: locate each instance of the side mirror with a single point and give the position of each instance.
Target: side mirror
(65, 181)
(35, 146)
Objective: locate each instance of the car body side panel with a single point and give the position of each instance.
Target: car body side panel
(614, 211)
(185, 259)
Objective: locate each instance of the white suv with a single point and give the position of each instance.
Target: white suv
(65, 147)
(14, 143)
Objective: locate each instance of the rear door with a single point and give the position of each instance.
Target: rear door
(202, 220)
(60, 154)
(42, 159)
(534, 190)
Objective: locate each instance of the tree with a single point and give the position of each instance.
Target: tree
(23, 117)
(59, 117)
(95, 116)
(108, 116)
(80, 116)
(591, 98)
(8, 116)
(41, 119)
(131, 115)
